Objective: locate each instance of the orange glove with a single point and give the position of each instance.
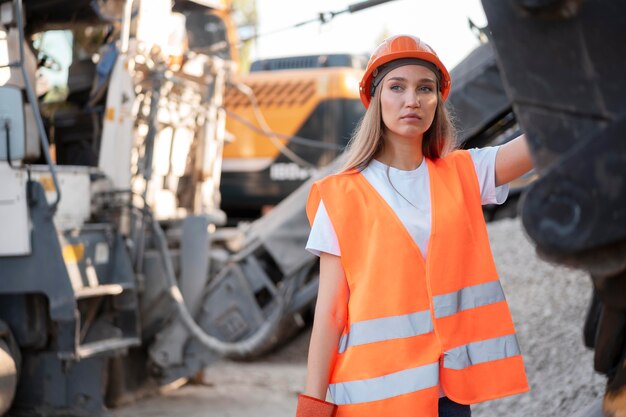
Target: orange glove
(313, 407)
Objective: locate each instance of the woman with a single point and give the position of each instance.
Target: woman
(410, 318)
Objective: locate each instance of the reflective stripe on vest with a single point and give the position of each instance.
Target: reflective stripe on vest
(481, 352)
(468, 297)
(387, 386)
(386, 328)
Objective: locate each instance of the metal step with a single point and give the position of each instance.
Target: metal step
(100, 290)
(91, 349)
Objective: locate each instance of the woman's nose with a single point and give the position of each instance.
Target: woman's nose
(413, 100)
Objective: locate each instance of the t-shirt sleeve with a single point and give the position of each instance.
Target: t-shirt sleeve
(485, 164)
(322, 237)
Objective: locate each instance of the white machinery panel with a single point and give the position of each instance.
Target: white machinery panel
(11, 123)
(75, 206)
(14, 225)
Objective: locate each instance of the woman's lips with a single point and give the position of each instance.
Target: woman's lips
(411, 117)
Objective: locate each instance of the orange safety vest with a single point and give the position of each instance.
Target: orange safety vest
(413, 324)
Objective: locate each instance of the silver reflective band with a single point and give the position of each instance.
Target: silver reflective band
(481, 352)
(386, 328)
(468, 297)
(387, 386)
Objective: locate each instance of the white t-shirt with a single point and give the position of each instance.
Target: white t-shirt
(414, 185)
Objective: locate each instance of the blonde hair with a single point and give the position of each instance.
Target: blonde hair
(367, 139)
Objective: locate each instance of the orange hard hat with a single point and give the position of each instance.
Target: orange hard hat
(401, 47)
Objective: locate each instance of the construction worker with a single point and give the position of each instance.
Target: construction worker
(410, 317)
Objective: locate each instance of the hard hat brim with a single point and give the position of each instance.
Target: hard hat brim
(366, 81)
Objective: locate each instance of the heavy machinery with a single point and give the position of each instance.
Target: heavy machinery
(563, 65)
(116, 273)
(292, 117)
(295, 116)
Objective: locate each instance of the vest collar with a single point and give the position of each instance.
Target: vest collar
(394, 217)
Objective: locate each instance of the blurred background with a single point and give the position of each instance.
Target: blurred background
(156, 156)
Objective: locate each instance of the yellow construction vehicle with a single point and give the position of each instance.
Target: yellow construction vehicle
(287, 118)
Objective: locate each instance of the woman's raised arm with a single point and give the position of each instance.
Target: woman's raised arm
(512, 160)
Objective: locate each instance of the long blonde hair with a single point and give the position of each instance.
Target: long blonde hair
(367, 139)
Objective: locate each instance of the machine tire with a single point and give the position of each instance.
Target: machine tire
(9, 368)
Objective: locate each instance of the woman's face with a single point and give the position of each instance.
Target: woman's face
(408, 101)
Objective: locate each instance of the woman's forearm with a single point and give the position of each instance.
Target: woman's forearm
(513, 160)
(331, 312)
(323, 348)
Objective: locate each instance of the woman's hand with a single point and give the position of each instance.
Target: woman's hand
(314, 407)
(512, 160)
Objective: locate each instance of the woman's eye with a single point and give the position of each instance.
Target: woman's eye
(395, 87)
(426, 88)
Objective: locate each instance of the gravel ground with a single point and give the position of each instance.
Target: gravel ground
(548, 303)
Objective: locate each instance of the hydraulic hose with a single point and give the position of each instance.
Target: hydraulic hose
(243, 348)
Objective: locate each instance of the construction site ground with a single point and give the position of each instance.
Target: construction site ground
(548, 303)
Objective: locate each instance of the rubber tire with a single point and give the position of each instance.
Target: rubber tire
(8, 376)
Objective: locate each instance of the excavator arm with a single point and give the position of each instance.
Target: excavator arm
(563, 64)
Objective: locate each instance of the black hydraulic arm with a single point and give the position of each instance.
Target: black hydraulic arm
(563, 64)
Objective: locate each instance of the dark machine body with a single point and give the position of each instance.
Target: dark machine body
(563, 64)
